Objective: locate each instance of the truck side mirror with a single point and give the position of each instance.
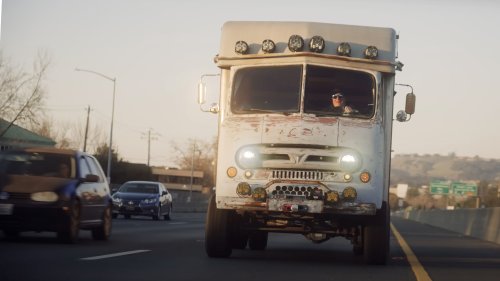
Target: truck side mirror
(410, 103)
(201, 93)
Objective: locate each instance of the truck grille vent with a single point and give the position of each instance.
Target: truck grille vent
(297, 175)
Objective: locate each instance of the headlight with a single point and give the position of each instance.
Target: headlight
(116, 200)
(248, 158)
(150, 200)
(349, 162)
(45, 196)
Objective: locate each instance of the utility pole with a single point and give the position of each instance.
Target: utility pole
(86, 130)
(150, 136)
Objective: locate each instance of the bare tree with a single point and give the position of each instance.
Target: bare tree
(22, 94)
(199, 155)
(68, 135)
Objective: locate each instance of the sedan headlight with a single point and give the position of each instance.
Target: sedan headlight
(45, 196)
(116, 200)
(150, 200)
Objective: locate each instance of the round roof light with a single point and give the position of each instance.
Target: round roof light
(241, 47)
(371, 52)
(344, 49)
(295, 43)
(317, 44)
(268, 46)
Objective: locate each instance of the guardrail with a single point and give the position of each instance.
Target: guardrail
(479, 223)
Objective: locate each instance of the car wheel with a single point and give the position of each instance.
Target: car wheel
(115, 215)
(217, 238)
(127, 216)
(167, 215)
(158, 213)
(258, 240)
(103, 231)
(71, 226)
(376, 238)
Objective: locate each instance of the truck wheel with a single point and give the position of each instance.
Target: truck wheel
(376, 238)
(258, 240)
(217, 238)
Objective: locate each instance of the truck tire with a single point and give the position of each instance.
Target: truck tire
(217, 238)
(376, 237)
(258, 240)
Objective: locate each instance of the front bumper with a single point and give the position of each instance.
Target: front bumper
(36, 217)
(135, 209)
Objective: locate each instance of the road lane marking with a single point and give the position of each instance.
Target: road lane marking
(114, 255)
(416, 266)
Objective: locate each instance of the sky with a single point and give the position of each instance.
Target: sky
(158, 49)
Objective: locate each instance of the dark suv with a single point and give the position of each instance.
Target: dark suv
(49, 189)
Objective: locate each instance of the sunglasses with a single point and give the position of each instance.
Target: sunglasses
(339, 97)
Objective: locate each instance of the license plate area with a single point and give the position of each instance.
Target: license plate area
(295, 204)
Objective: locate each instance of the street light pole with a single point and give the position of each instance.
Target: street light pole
(110, 154)
(192, 174)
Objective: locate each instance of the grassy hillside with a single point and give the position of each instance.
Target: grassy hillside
(417, 170)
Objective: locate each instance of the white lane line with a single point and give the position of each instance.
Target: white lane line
(181, 222)
(415, 264)
(114, 255)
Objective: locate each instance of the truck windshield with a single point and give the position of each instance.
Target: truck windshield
(276, 89)
(356, 88)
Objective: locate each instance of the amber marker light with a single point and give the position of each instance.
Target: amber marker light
(365, 177)
(231, 172)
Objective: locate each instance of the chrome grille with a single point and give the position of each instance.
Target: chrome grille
(297, 175)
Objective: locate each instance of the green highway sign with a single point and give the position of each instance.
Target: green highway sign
(461, 188)
(440, 187)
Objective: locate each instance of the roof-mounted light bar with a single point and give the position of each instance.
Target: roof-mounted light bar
(316, 44)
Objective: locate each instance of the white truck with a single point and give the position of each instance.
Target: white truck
(288, 161)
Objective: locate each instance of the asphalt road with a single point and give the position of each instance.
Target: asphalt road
(143, 249)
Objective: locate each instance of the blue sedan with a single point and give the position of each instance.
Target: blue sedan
(142, 198)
